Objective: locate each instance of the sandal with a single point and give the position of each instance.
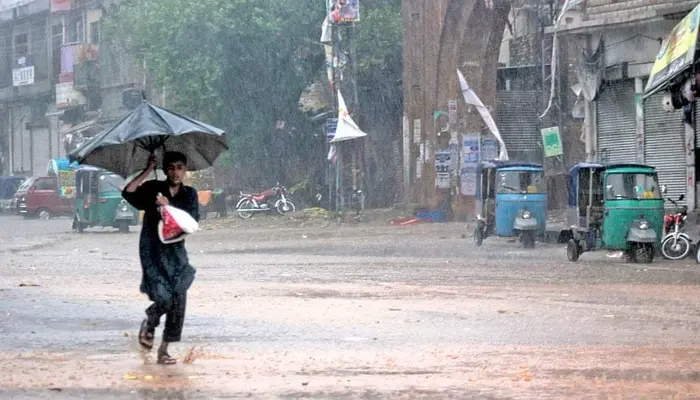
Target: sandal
(146, 336)
(165, 359)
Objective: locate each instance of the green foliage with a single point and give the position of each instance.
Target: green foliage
(243, 64)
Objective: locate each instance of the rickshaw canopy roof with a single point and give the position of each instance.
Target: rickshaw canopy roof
(510, 165)
(629, 167)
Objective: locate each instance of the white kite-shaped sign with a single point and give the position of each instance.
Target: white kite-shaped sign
(472, 99)
(347, 128)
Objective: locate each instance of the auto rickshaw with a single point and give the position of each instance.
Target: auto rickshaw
(614, 207)
(511, 200)
(99, 201)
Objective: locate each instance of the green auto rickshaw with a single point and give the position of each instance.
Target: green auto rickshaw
(99, 202)
(614, 207)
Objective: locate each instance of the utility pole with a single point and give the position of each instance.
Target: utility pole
(343, 24)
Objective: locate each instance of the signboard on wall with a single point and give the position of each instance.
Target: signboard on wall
(23, 76)
(23, 72)
(677, 51)
(68, 96)
(417, 131)
(470, 160)
(61, 5)
(489, 149)
(331, 127)
(551, 140)
(443, 169)
(343, 11)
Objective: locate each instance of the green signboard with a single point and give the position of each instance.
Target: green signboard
(551, 139)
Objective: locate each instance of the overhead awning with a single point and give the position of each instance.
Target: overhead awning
(677, 53)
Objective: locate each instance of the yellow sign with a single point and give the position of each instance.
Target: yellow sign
(677, 51)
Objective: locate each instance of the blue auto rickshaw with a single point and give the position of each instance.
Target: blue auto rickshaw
(511, 200)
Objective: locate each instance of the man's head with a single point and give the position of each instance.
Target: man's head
(175, 165)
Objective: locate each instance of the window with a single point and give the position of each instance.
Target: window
(111, 183)
(45, 184)
(632, 186)
(25, 185)
(521, 182)
(21, 45)
(95, 32)
(74, 29)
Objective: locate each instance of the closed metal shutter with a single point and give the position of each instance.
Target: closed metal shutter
(41, 145)
(664, 145)
(517, 120)
(617, 124)
(697, 125)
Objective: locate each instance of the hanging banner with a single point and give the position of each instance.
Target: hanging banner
(551, 140)
(677, 52)
(472, 99)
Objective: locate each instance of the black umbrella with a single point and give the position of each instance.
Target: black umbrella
(147, 130)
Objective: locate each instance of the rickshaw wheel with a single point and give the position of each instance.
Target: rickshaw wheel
(78, 226)
(124, 227)
(573, 250)
(528, 239)
(478, 236)
(642, 253)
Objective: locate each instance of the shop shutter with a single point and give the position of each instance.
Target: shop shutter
(518, 122)
(664, 145)
(616, 123)
(41, 145)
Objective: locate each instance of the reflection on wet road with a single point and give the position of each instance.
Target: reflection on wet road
(355, 312)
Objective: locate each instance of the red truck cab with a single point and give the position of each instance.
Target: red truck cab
(38, 197)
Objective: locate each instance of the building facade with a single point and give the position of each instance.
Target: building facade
(58, 83)
(622, 127)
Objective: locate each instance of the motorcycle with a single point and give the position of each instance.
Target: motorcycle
(263, 202)
(676, 244)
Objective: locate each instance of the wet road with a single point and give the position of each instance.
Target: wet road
(351, 312)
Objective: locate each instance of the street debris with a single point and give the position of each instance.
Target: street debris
(190, 356)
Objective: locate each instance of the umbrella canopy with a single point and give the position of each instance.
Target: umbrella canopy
(147, 130)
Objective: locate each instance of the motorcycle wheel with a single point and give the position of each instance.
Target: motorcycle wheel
(245, 205)
(573, 250)
(478, 236)
(677, 252)
(285, 207)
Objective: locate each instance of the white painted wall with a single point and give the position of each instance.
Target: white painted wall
(635, 44)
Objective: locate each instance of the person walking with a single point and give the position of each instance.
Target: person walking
(166, 271)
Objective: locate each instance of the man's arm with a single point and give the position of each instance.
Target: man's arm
(134, 192)
(193, 204)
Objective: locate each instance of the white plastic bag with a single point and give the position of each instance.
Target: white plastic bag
(175, 224)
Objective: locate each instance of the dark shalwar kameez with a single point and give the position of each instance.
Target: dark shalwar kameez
(167, 273)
